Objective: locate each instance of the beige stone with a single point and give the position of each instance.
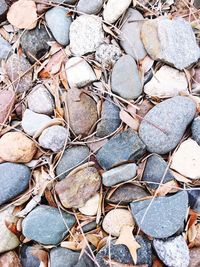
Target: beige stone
(91, 206)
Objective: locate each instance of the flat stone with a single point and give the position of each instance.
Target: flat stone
(9, 259)
(59, 24)
(5, 46)
(33, 122)
(3, 10)
(194, 198)
(107, 54)
(162, 38)
(86, 34)
(33, 256)
(194, 257)
(89, 226)
(173, 252)
(47, 225)
(166, 82)
(130, 34)
(89, 6)
(125, 80)
(164, 217)
(196, 129)
(79, 72)
(40, 100)
(7, 99)
(123, 147)
(164, 125)
(71, 158)
(91, 206)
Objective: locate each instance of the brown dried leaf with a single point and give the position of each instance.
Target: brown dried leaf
(180, 178)
(169, 187)
(108, 30)
(129, 120)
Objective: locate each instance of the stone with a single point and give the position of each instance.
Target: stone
(163, 217)
(125, 80)
(91, 206)
(54, 138)
(40, 100)
(197, 4)
(59, 24)
(114, 9)
(7, 99)
(33, 256)
(130, 39)
(14, 179)
(5, 46)
(16, 66)
(125, 146)
(194, 257)
(16, 147)
(82, 112)
(162, 38)
(154, 171)
(8, 239)
(3, 10)
(86, 34)
(9, 259)
(164, 125)
(32, 122)
(47, 225)
(71, 158)
(79, 72)
(76, 189)
(115, 220)
(110, 119)
(196, 129)
(69, 2)
(194, 199)
(89, 226)
(144, 108)
(107, 54)
(196, 241)
(173, 252)
(119, 174)
(186, 160)
(90, 7)
(166, 82)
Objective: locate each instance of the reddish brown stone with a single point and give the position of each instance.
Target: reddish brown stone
(9, 259)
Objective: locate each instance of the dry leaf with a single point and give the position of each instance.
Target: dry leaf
(108, 30)
(180, 178)
(129, 120)
(30, 206)
(169, 187)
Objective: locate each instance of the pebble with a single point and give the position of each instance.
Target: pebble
(107, 54)
(90, 7)
(125, 146)
(79, 72)
(16, 147)
(69, 2)
(164, 217)
(186, 160)
(47, 225)
(7, 99)
(91, 206)
(89, 226)
(86, 34)
(110, 119)
(3, 10)
(196, 129)
(5, 47)
(13, 185)
(162, 38)
(15, 67)
(33, 256)
(197, 4)
(164, 125)
(194, 257)
(194, 199)
(71, 158)
(173, 252)
(76, 189)
(9, 259)
(119, 174)
(125, 80)
(166, 82)
(115, 220)
(130, 34)
(54, 138)
(33, 122)
(40, 100)
(59, 24)
(114, 9)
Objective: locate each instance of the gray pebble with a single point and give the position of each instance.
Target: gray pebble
(107, 54)
(194, 198)
(5, 47)
(3, 10)
(89, 6)
(196, 130)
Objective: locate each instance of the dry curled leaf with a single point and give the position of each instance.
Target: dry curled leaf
(129, 120)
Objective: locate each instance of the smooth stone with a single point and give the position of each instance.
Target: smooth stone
(76, 189)
(162, 38)
(115, 220)
(164, 217)
(130, 34)
(123, 147)
(154, 170)
(3, 10)
(119, 174)
(47, 225)
(40, 100)
(110, 119)
(86, 34)
(144, 108)
(173, 252)
(194, 199)
(91, 206)
(196, 129)
(14, 179)
(59, 24)
(79, 72)
(89, 6)
(194, 257)
(164, 125)
(197, 4)
(107, 54)
(7, 99)
(166, 82)
(33, 122)
(89, 226)
(9, 259)
(186, 160)
(33, 256)
(114, 9)
(53, 138)
(125, 80)
(15, 67)
(71, 158)
(5, 46)
(69, 2)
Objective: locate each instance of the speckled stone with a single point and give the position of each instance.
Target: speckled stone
(9, 259)
(5, 47)
(107, 54)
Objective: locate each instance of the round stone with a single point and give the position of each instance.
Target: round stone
(196, 129)
(89, 6)
(107, 54)
(91, 206)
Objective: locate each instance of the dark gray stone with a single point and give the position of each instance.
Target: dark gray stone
(47, 225)
(197, 3)
(28, 256)
(89, 6)
(89, 227)
(14, 179)
(3, 10)
(161, 217)
(5, 47)
(194, 198)
(164, 125)
(126, 146)
(196, 130)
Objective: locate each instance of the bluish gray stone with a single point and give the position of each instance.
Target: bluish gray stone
(3, 10)
(47, 225)
(196, 130)
(194, 198)
(14, 179)
(89, 6)
(28, 256)
(5, 48)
